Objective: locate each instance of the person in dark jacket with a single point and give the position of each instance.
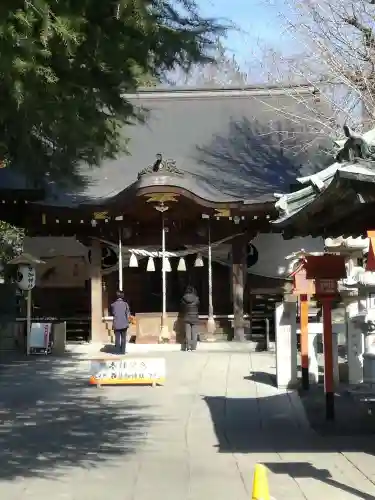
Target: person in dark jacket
(190, 311)
(121, 312)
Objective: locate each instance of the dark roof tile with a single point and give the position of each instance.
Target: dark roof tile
(233, 143)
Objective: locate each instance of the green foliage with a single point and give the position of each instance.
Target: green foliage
(66, 65)
(11, 241)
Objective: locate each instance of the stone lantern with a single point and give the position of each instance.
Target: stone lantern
(26, 273)
(356, 292)
(361, 329)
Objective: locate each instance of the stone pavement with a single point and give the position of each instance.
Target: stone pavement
(199, 436)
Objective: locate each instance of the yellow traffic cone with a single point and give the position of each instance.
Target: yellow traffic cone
(260, 484)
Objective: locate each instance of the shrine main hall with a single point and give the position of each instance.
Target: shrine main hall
(182, 207)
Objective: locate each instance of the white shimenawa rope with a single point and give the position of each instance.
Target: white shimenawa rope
(178, 253)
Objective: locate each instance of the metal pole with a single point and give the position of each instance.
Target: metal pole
(211, 319)
(163, 273)
(120, 265)
(210, 305)
(163, 324)
(267, 322)
(28, 322)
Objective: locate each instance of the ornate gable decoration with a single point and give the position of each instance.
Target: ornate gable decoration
(161, 166)
(355, 147)
(161, 197)
(222, 212)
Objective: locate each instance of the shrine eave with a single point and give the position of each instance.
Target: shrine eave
(186, 198)
(188, 187)
(213, 146)
(342, 208)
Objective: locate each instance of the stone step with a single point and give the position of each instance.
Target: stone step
(217, 337)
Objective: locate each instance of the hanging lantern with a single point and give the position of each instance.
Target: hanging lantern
(25, 278)
(181, 264)
(199, 261)
(167, 265)
(133, 261)
(150, 264)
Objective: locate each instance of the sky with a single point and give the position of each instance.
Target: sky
(258, 21)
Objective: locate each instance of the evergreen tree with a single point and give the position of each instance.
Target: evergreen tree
(65, 69)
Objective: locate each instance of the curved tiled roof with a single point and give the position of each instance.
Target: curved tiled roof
(292, 205)
(316, 187)
(228, 145)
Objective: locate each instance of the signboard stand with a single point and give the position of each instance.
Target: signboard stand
(125, 370)
(326, 290)
(326, 270)
(40, 338)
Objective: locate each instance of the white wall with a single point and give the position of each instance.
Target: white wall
(53, 246)
(273, 250)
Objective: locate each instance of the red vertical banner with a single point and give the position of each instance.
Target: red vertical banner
(370, 265)
(326, 270)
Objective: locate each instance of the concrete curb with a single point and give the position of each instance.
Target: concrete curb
(95, 347)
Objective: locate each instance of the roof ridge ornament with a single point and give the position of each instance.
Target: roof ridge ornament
(161, 166)
(350, 150)
(356, 157)
(356, 147)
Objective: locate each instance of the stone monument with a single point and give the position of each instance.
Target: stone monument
(357, 291)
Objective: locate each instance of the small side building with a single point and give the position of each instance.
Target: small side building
(339, 200)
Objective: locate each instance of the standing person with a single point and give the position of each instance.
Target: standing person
(121, 312)
(190, 310)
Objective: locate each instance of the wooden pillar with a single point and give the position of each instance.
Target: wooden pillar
(96, 293)
(238, 286)
(251, 304)
(105, 297)
(304, 336)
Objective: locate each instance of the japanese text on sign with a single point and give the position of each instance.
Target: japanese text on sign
(128, 370)
(326, 286)
(31, 277)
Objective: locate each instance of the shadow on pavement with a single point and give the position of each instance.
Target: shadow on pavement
(270, 424)
(262, 378)
(300, 470)
(110, 349)
(248, 425)
(353, 415)
(51, 420)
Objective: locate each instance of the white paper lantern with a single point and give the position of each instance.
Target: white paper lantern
(181, 264)
(26, 277)
(199, 261)
(133, 262)
(150, 264)
(167, 265)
